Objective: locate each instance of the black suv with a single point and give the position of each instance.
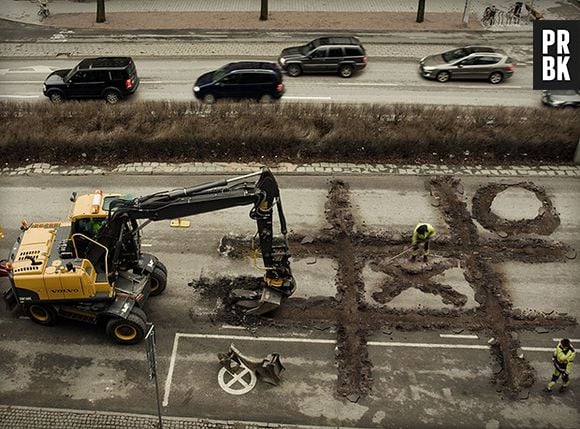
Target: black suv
(111, 78)
(261, 81)
(335, 54)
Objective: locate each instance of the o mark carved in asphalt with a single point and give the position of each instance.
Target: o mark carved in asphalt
(238, 383)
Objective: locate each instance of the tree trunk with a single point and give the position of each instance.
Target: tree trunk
(101, 11)
(421, 11)
(263, 10)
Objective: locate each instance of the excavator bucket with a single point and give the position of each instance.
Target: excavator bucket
(269, 301)
(271, 369)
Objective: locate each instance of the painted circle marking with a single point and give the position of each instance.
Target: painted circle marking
(238, 383)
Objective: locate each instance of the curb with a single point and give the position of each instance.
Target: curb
(317, 168)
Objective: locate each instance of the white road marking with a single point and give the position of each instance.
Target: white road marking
(168, 82)
(19, 96)
(170, 371)
(146, 245)
(232, 327)
(427, 85)
(14, 82)
(573, 340)
(289, 97)
(33, 69)
(169, 379)
(246, 338)
(465, 337)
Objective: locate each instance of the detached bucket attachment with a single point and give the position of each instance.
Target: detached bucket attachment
(268, 369)
(271, 369)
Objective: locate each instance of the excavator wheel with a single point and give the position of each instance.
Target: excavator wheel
(43, 314)
(158, 280)
(162, 266)
(127, 331)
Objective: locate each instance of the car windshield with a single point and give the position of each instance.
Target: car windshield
(310, 46)
(455, 54)
(219, 73)
(71, 73)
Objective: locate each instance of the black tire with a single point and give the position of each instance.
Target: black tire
(158, 281)
(443, 76)
(345, 71)
(140, 313)
(112, 97)
(496, 77)
(294, 70)
(127, 331)
(162, 267)
(266, 99)
(43, 314)
(56, 97)
(209, 98)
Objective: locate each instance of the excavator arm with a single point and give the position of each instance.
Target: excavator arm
(120, 234)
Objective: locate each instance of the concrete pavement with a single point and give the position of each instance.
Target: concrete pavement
(25, 10)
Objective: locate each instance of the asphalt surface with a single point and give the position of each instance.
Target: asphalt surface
(420, 379)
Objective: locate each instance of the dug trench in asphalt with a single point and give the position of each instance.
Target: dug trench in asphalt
(431, 385)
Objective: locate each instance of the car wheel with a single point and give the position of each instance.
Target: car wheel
(443, 76)
(42, 314)
(294, 70)
(112, 97)
(209, 99)
(495, 77)
(266, 99)
(345, 71)
(56, 97)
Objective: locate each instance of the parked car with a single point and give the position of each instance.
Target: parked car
(334, 54)
(561, 98)
(470, 62)
(261, 81)
(111, 78)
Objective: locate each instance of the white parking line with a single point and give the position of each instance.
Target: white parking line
(170, 371)
(316, 341)
(573, 340)
(465, 337)
(19, 96)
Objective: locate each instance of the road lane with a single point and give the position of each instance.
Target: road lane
(391, 81)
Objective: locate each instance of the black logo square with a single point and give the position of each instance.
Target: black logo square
(556, 54)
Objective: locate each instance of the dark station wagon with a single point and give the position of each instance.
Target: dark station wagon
(257, 80)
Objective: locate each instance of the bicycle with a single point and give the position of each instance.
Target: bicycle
(43, 11)
(489, 15)
(516, 9)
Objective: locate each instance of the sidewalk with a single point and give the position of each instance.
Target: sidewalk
(314, 15)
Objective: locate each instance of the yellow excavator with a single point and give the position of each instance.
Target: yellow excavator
(91, 268)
